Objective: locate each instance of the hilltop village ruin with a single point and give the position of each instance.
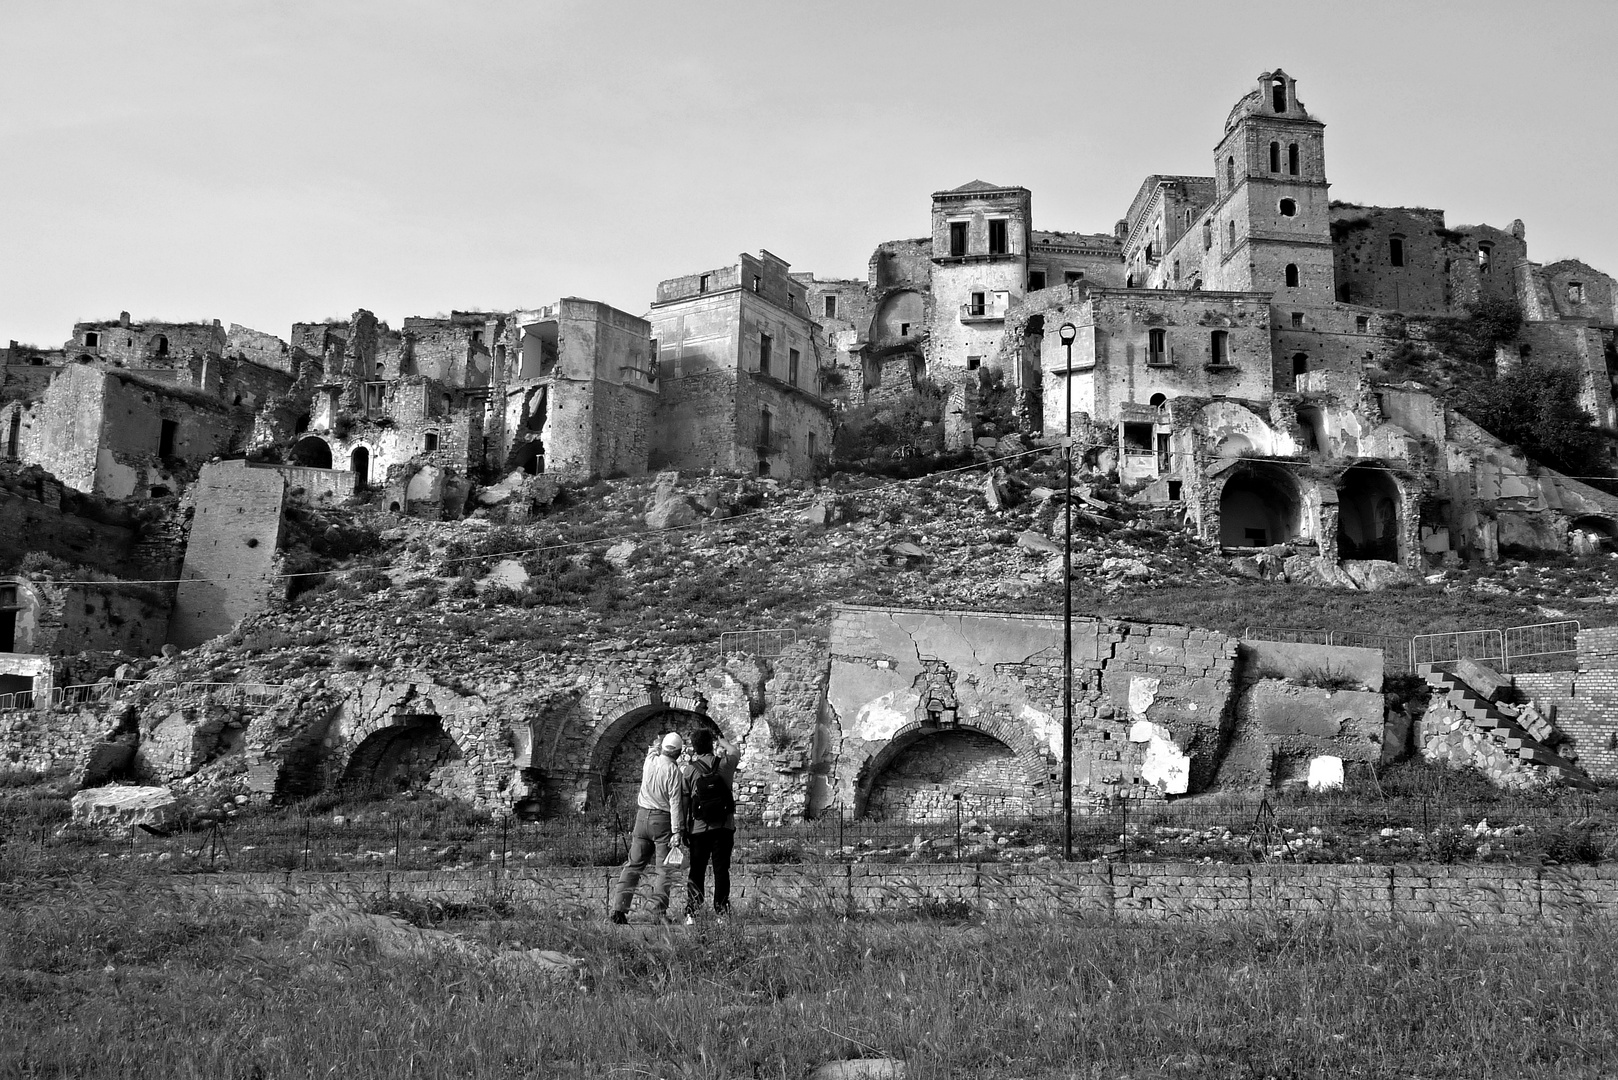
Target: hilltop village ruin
(1237, 344)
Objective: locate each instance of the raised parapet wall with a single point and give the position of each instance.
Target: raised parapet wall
(230, 557)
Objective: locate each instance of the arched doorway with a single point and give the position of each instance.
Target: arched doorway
(312, 452)
(1368, 514)
(1259, 507)
(414, 753)
(621, 754)
(918, 775)
(359, 463)
(1591, 534)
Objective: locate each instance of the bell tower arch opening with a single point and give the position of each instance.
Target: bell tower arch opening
(1258, 507)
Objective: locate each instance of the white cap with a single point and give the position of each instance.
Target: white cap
(672, 743)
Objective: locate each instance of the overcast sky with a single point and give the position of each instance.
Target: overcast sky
(273, 162)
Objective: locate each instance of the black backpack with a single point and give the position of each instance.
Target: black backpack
(712, 801)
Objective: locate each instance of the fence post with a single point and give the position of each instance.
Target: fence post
(396, 825)
(307, 820)
(505, 824)
(958, 827)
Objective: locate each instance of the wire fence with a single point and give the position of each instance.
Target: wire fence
(1427, 828)
(1548, 646)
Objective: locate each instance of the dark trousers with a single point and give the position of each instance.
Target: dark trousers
(648, 845)
(710, 845)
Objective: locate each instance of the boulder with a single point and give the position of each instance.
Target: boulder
(664, 486)
(829, 509)
(507, 572)
(1317, 571)
(671, 514)
(907, 551)
(1034, 541)
(1374, 574)
(122, 807)
(621, 553)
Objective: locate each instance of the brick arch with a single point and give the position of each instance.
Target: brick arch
(400, 717)
(608, 738)
(874, 762)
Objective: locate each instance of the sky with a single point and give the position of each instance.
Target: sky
(281, 161)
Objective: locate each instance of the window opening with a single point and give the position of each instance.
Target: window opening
(1289, 207)
(1278, 94)
(1297, 320)
(1485, 258)
(997, 236)
(1174, 491)
(1176, 270)
(702, 283)
(1396, 250)
(792, 366)
(1207, 235)
(812, 443)
(1070, 277)
(1163, 451)
(375, 397)
(430, 442)
(831, 307)
(765, 430)
(1362, 323)
(477, 338)
(1157, 347)
(1575, 292)
(758, 283)
(1036, 280)
(1292, 275)
(91, 339)
(1292, 158)
(1231, 228)
(957, 238)
(1275, 157)
(1300, 363)
(974, 362)
(165, 438)
(14, 435)
(764, 354)
(162, 345)
(1230, 172)
(904, 329)
(1157, 401)
(1138, 438)
(1219, 347)
(975, 308)
(359, 462)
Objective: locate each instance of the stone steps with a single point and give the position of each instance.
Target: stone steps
(1491, 720)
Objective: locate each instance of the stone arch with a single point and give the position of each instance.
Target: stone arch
(1234, 430)
(1259, 505)
(359, 463)
(1369, 499)
(408, 752)
(619, 750)
(1602, 534)
(899, 309)
(312, 452)
(877, 759)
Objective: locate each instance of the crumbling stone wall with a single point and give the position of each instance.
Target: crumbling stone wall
(229, 570)
(1442, 270)
(1583, 703)
(146, 345)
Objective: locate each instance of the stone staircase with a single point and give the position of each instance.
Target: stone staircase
(1489, 719)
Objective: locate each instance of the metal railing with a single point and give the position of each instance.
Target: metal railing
(245, 695)
(1548, 646)
(761, 643)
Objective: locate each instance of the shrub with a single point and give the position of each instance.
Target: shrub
(1536, 408)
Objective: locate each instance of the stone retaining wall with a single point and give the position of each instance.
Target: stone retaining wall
(1508, 895)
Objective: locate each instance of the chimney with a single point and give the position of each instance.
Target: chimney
(123, 318)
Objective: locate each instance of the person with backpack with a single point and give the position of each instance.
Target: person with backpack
(659, 826)
(710, 798)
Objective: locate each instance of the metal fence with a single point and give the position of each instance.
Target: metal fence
(761, 643)
(1342, 829)
(1547, 646)
(245, 695)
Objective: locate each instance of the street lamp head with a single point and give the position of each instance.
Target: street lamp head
(1068, 332)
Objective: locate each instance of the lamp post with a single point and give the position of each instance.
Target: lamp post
(1068, 332)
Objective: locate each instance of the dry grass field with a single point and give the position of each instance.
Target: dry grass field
(99, 980)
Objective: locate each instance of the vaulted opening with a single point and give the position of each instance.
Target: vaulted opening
(359, 463)
(1259, 507)
(1368, 514)
(620, 755)
(312, 451)
(406, 756)
(919, 776)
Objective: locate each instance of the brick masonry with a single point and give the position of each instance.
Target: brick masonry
(1505, 895)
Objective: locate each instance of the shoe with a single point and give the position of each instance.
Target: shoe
(690, 920)
(618, 918)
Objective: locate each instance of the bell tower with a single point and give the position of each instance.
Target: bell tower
(1271, 220)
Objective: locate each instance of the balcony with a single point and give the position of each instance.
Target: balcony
(990, 311)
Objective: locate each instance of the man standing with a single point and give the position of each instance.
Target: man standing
(711, 803)
(659, 824)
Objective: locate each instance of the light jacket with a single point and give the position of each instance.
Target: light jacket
(663, 788)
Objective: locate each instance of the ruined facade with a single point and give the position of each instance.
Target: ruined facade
(739, 371)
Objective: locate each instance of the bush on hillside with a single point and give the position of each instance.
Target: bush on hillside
(1536, 408)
